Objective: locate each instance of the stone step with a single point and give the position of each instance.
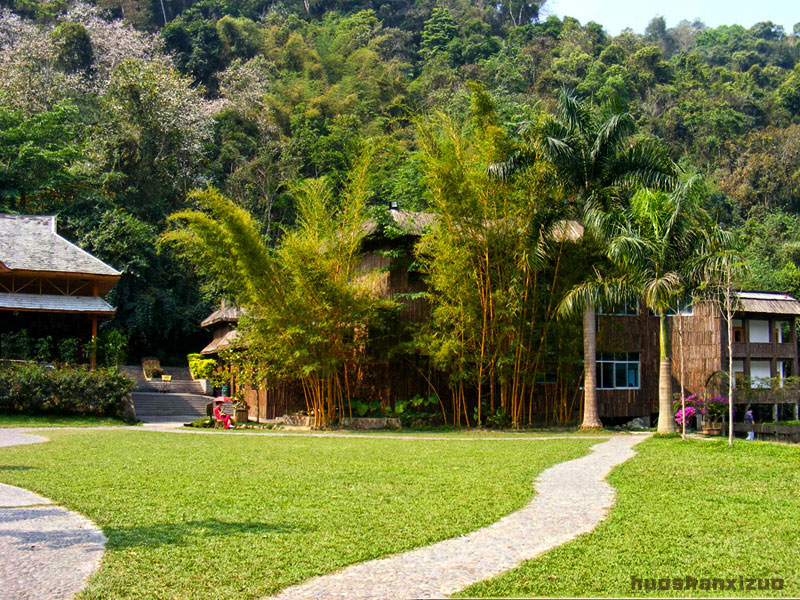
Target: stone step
(170, 387)
(178, 373)
(156, 404)
(132, 371)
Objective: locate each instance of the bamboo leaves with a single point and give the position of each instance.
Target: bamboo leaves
(307, 306)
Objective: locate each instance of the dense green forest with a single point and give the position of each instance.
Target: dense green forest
(112, 112)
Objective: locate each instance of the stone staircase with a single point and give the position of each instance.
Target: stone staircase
(158, 406)
(181, 399)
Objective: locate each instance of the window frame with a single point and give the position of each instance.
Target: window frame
(615, 360)
(626, 310)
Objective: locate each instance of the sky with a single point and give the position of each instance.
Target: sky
(616, 15)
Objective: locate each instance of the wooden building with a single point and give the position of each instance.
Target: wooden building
(222, 323)
(765, 348)
(389, 254)
(46, 277)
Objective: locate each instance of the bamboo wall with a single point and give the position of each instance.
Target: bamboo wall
(390, 276)
(267, 403)
(705, 346)
(702, 334)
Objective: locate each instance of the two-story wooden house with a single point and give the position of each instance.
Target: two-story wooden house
(765, 352)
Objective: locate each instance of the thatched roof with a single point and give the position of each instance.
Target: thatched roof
(413, 223)
(776, 303)
(570, 231)
(221, 343)
(91, 305)
(224, 314)
(32, 243)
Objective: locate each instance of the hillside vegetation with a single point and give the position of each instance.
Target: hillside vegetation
(111, 112)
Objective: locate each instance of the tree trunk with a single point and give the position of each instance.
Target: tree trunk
(666, 424)
(591, 420)
(729, 322)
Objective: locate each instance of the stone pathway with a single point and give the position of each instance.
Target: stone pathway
(571, 499)
(46, 552)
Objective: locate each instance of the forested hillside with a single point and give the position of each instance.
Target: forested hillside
(112, 112)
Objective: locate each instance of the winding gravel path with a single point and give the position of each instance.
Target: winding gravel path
(571, 499)
(46, 552)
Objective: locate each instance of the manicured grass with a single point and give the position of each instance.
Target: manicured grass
(452, 432)
(58, 421)
(693, 508)
(231, 516)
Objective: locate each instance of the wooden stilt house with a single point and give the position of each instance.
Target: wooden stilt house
(49, 279)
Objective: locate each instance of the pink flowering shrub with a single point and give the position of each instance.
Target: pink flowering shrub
(711, 409)
(687, 414)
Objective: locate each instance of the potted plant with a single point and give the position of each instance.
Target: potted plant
(712, 411)
(241, 414)
(709, 413)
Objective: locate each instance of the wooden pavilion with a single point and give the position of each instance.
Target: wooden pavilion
(41, 272)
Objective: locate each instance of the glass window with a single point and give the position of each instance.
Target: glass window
(625, 309)
(738, 330)
(738, 373)
(685, 308)
(618, 370)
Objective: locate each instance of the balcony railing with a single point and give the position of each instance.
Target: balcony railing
(761, 350)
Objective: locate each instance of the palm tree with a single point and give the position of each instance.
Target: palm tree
(658, 236)
(599, 164)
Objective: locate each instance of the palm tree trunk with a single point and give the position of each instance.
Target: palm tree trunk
(665, 422)
(591, 420)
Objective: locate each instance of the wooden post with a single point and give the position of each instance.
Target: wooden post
(94, 343)
(95, 293)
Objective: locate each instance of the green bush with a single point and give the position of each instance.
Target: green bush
(201, 367)
(29, 388)
(204, 423)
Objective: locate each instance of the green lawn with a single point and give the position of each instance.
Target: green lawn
(57, 421)
(694, 508)
(450, 432)
(229, 516)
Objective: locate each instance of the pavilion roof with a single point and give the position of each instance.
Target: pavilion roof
(92, 305)
(32, 243)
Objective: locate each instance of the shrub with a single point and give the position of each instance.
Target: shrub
(29, 388)
(201, 367)
(204, 423)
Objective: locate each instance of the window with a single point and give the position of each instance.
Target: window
(783, 332)
(618, 370)
(738, 330)
(784, 371)
(738, 373)
(759, 333)
(760, 374)
(685, 308)
(625, 308)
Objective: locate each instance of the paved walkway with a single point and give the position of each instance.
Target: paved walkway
(46, 552)
(571, 499)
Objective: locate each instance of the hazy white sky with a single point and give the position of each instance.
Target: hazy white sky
(615, 15)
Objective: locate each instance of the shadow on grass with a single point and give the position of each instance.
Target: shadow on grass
(16, 468)
(182, 533)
